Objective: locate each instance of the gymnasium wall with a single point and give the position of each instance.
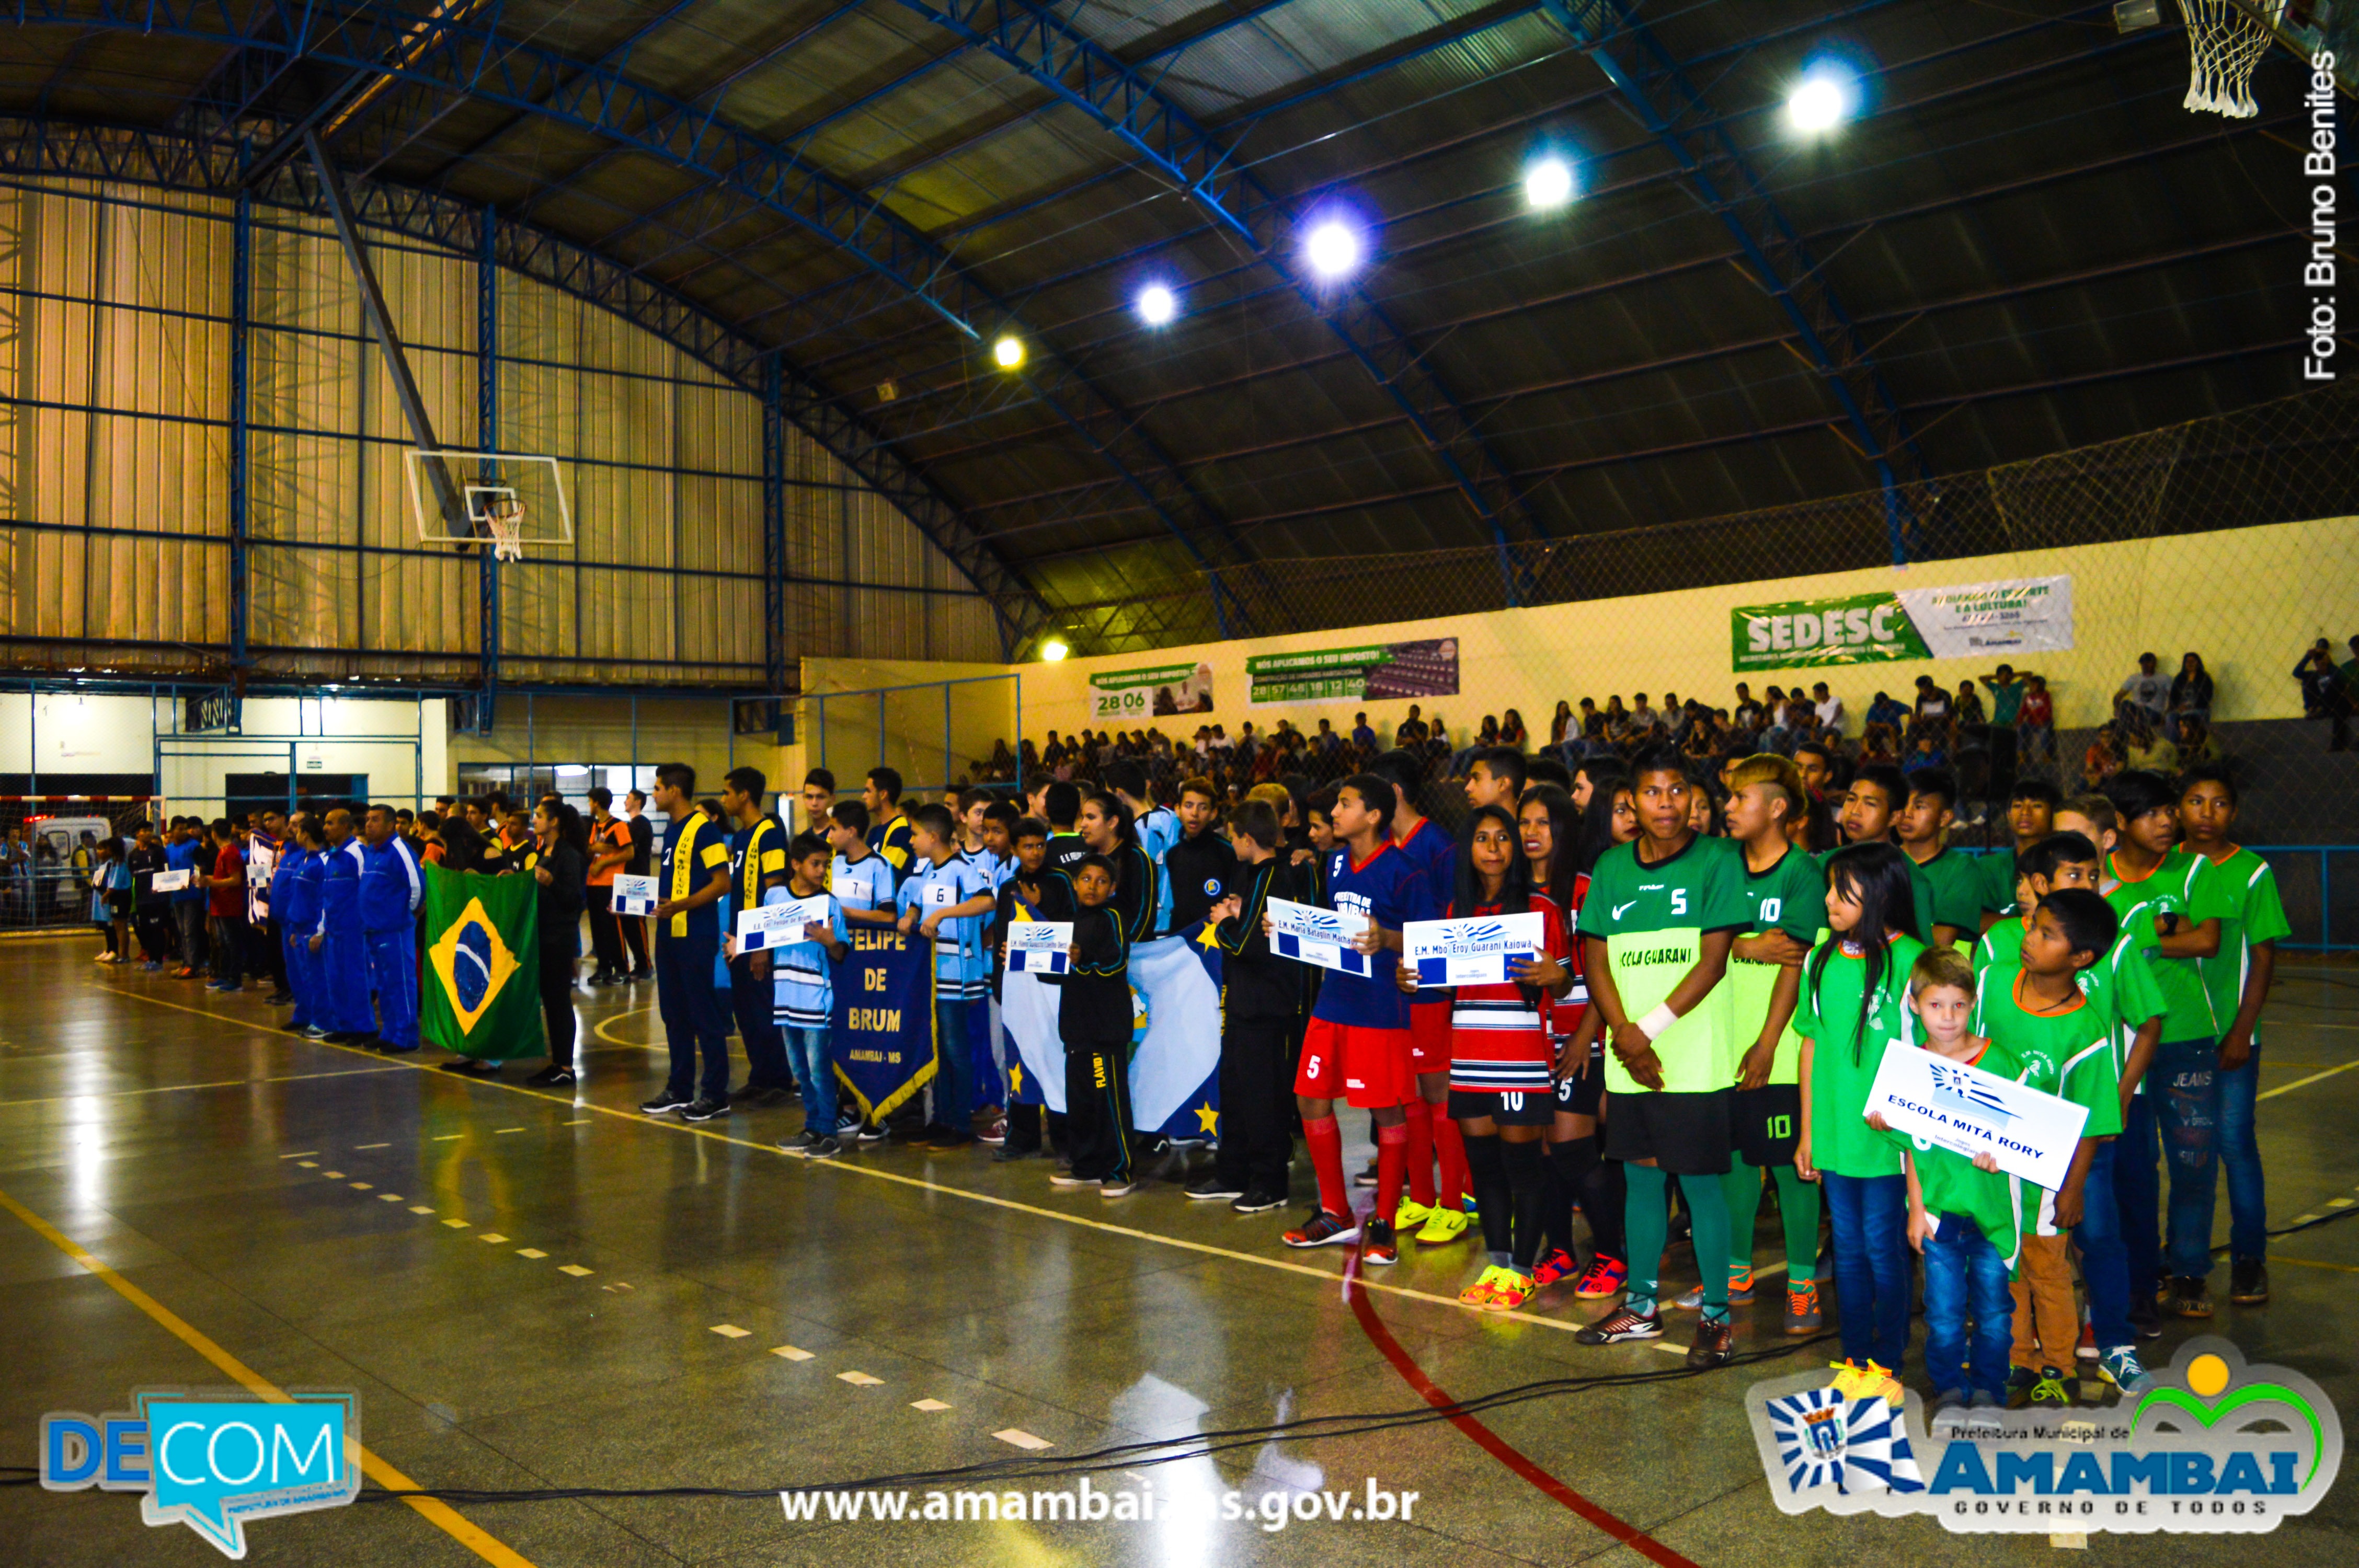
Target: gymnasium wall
(2249, 599)
(115, 376)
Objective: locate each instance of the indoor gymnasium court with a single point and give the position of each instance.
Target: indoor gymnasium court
(1219, 781)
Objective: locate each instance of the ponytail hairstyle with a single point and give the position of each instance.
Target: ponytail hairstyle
(1876, 875)
(1515, 890)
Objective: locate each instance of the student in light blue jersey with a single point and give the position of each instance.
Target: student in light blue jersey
(861, 879)
(946, 899)
(1159, 827)
(802, 992)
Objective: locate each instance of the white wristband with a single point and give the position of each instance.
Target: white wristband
(1656, 1022)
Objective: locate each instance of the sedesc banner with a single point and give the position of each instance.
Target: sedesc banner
(1975, 620)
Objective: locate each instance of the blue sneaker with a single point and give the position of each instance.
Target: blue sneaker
(2122, 1368)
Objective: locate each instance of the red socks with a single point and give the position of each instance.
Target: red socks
(1392, 1153)
(1451, 1145)
(1325, 1141)
(1421, 1133)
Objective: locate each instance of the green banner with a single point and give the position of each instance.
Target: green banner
(1163, 692)
(1856, 629)
(1371, 673)
(481, 995)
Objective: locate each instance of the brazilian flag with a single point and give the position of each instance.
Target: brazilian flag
(481, 995)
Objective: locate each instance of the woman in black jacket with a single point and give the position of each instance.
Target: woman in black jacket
(559, 860)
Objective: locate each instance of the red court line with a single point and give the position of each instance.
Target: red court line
(1490, 1441)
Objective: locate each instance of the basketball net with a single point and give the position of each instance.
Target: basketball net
(2223, 44)
(505, 521)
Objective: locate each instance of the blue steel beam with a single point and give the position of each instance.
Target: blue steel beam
(487, 440)
(1780, 265)
(139, 156)
(1081, 73)
(467, 55)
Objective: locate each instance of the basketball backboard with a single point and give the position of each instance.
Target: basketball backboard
(525, 492)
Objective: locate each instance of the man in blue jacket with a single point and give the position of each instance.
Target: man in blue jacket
(339, 943)
(297, 900)
(391, 890)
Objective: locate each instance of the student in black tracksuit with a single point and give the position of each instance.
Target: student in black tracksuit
(1024, 896)
(1261, 999)
(1093, 1019)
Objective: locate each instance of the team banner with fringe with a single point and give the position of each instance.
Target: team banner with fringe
(1175, 1063)
(882, 1034)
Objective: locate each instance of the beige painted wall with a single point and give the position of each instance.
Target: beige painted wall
(2248, 599)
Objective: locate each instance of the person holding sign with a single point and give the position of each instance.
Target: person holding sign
(802, 993)
(1501, 1097)
(693, 874)
(1356, 1048)
(1093, 1020)
(1261, 997)
(1961, 1215)
(758, 863)
(1852, 1009)
(1021, 899)
(1435, 1208)
(1656, 924)
(945, 900)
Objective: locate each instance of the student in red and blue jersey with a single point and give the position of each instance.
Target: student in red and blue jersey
(1356, 1048)
(1440, 1209)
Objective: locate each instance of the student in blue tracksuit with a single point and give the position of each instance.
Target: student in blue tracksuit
(339, 949)
(297, 900)
(391, 891)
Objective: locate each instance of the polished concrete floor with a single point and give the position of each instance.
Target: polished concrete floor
(542, 1291)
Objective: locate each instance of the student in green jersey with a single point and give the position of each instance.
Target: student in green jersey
(2031, 815)
(1961, 1211)
(1655, 925)
(1852, 1008)
(1922, 828)
(1787, 894)
(2237, 979)
(2179, 1113)
(2040, 1013)
(1878, 792)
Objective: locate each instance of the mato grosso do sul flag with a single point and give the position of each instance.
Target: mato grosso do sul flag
(481, 995)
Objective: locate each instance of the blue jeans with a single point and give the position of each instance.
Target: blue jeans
(1870, 1217)
(2137, 1190)
(2240, 1159)
(1964, 1276)
(814, 1075)
(2104, 1260)
(954, 1070)
(2186, 1076)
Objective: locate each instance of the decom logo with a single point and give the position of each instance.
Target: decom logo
(2215, 1446)
(212, 1461)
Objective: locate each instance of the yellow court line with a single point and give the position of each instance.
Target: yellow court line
(490, 1547)
(599, 1029)
(1325, 1276)
(223, 1084)
(2288, 1088)
(2315, 1264)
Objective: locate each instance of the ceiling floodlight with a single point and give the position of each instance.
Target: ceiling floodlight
(1548, 183)
(1008, 353)
(1158, 305)
(1823, 98)
(1332, 248)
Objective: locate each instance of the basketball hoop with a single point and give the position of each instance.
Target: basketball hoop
(2224, 42)
(503, 519)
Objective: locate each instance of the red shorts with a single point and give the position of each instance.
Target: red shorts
(1365, 1068)
(1428, 1036)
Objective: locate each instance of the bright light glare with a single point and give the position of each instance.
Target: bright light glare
(1008, 352)
(1548, 183)
(1332, 249)
(1053, 649)
(1821, 101)
(1157, 305)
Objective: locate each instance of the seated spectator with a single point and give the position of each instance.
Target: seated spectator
(2142, 743)
(1362, 735)
(1413, 730)
(1644, 720)
(1746, 716)
(1932, 705)
(1970, 704)
(2328, 690)
(2190, 696)
(1888, 711)
(2196, 746)
(1927, 751)
(2148, 688)
(1561, 724)
(1827, 707)
(2036, 724)
(1511, 730)
(2103, 759)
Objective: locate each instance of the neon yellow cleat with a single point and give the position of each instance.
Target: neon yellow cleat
(1443, 1226)
(1510, 1292)
(1479, 1292)
(1409, 1215)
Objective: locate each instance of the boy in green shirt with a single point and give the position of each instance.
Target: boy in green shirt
(1787, 894)
(2038, 1011)
(2237, 979)
(1961, 1211)
(2149, 874)
(1878, 792)
(1922, 827)
(2031, 815)
(1655, 927)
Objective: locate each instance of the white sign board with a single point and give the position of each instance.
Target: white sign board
(634, 895)
(778, 925)
(169, 881)
(1474, 952)
(1039, 947)
(1310, 935)
(1964, 1109)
